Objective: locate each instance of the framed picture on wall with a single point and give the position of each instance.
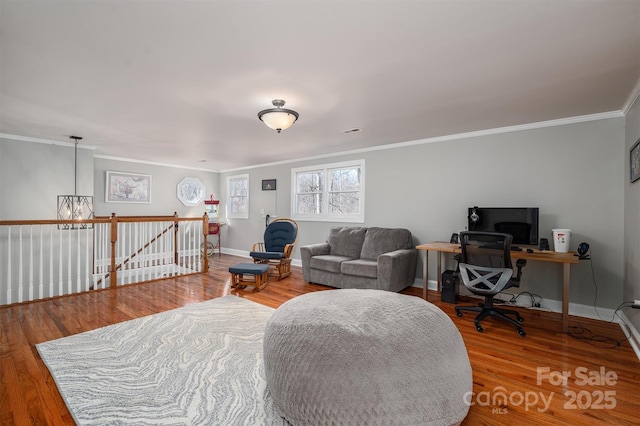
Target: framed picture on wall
(269, 185)
(634, 162)
(190, 191)
(122, 187)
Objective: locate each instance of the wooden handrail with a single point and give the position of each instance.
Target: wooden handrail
(98, 219)
(53, 222)
(149, 218)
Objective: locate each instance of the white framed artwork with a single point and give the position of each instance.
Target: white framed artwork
(190, 191)
(122, 187)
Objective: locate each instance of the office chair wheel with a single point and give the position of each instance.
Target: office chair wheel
(479, 328)
(521, 332)
(520, 319)
(459, 313)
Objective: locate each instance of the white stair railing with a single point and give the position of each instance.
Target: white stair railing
(38, 260)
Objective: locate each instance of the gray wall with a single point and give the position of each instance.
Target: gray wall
(574, 173)
(32, 175)
(631, 290)
(164, 182)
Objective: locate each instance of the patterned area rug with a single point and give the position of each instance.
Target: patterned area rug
(197, 365)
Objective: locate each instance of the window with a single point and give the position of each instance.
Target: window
(330, 192)
(238, 197)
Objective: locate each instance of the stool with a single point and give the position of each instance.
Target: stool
(259, 272)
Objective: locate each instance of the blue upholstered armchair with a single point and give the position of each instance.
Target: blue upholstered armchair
(279, 239)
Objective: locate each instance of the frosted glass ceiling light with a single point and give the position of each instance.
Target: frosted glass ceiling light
(278, 118)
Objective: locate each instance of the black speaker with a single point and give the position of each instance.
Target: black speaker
(544, 244)
(449, 287)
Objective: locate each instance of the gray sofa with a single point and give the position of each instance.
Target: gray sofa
(358, 257)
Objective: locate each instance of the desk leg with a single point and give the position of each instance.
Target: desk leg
(425, 273)
(565, 296)
(439, 277)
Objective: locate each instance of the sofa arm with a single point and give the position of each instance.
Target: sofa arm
(307, 252)
(397, 269)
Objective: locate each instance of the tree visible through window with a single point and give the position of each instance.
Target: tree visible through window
(238, 196)
(332, 192)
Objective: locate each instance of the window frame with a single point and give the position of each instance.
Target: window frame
(326, 216)
(229, 213)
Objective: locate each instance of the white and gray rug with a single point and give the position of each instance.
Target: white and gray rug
(197, 365)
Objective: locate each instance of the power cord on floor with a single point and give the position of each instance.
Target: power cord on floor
(582, 333)
(595, 287)
(595, 296)
(534, 303)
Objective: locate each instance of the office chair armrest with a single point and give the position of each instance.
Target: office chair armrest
(457, 258)
(520, 263)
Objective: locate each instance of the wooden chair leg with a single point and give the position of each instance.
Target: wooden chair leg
(261, 281)
(234, 280)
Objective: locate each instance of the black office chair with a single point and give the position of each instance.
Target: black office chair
(485, 269)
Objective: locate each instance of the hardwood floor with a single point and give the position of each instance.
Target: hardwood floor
(503, 363)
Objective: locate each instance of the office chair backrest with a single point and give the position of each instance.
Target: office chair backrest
(489, 249)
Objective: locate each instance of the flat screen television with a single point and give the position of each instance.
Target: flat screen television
(520, 222)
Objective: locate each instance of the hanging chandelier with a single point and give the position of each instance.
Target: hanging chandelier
(75, 207)
(278, 118)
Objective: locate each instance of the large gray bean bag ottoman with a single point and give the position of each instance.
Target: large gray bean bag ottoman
(366, 357)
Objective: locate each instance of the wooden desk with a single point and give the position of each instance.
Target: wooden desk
(543, 256)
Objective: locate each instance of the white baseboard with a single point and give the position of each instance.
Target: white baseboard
(631, 333)
(244, 253)
(551, 305)
(234, 252)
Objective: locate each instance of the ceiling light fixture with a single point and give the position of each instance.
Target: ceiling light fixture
(75, 207)
(278, 118)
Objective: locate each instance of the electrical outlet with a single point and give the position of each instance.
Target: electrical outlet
(636, 302)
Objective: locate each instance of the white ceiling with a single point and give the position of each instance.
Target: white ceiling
(179, 82)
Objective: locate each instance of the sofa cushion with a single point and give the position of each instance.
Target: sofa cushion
(378, 241)
(346, 241)
(361, 268)
(328, 262)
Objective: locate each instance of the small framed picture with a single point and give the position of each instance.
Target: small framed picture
(634, 162)
(269, 185)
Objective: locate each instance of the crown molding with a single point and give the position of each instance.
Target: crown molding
(633, 97)
(44, 141)
(152, 163)
(499, 130)
(495, 131)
